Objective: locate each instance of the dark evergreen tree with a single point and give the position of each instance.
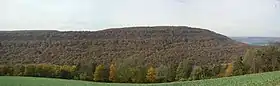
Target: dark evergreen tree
(238, 67)
(162, 73)
(184, 70)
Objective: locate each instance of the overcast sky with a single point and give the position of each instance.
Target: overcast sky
(228, 17)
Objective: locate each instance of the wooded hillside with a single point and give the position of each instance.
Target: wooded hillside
(155, 45)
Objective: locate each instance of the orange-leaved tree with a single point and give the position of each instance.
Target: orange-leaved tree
(229, 70)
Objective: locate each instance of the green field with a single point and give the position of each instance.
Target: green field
(262, 79)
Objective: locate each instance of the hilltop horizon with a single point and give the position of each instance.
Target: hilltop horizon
(230, 17)
(65, 30)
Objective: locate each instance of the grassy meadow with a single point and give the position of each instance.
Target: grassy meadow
(261, 79)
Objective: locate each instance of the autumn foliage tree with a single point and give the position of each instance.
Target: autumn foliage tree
(151, 74)
(134, 69)
(229, 70)
(112, 73)
(98, 74)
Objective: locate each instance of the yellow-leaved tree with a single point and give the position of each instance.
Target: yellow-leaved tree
(151, 74)
(98, 74)
(112, 73)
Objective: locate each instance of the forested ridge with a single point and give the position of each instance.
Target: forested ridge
(156, 45)
(128, 55)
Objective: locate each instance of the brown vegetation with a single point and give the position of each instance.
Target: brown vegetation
(156, 45)
(134, 70)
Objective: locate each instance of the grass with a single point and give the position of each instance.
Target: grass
(261, 79)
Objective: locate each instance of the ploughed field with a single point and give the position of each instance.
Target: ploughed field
(261, 79)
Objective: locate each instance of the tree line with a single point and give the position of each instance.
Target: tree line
(115, 72)
(135, 70)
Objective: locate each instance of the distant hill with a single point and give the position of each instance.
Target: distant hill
(156, 45)
(257, 40)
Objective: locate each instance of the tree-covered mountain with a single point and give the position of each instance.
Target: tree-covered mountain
(155, 45)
